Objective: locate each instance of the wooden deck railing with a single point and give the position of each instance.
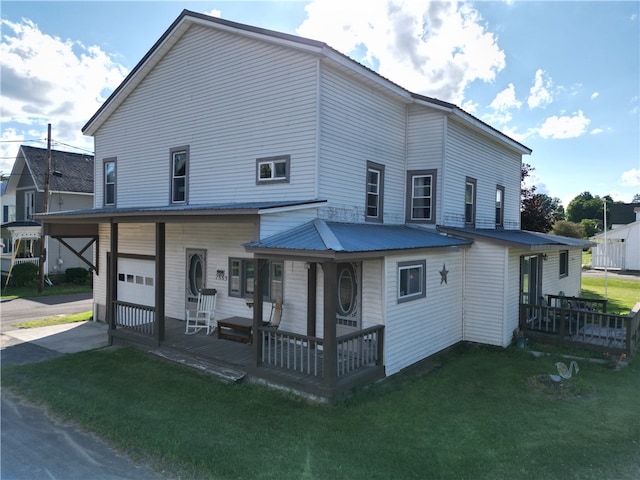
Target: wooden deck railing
(304, 354)
(359, 349)
(291, 351)
(139, 318)
(584, 325)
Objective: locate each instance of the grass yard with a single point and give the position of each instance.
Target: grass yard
(58, 320)
(623, 294)
(486, 413)
(9, 293)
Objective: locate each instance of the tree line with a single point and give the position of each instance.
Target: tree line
(583, 218)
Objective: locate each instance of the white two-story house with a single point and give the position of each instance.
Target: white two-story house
(271, 167)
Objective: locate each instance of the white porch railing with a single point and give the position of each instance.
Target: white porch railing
(139, 318)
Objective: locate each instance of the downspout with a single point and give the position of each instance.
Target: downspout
(464, 293)
(318, 106)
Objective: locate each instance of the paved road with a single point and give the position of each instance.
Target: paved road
(25, 309)
(36, 445)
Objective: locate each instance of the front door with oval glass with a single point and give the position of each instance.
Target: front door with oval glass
(348, 316)
(196, 273)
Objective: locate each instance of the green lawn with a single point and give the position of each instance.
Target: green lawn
(10, 293)
(622, 294)
(58, 320)
(484, 414)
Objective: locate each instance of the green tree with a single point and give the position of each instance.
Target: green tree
(567, 229)
(539, 212)
(589, 227)
(586, 206)
(636, 198)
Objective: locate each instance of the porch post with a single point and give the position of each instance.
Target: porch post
(258, 298)
(112, 280)
(330, 362)
(312, 284)
(160, 281)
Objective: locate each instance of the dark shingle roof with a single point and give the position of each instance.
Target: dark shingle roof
(622, 213)
(322, 236)
(70, 172)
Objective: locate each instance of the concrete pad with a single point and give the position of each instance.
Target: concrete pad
(65, 338)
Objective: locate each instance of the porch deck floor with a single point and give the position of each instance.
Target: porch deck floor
(240, 355)
(207, 347)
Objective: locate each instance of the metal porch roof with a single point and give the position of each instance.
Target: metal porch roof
(520, 238)
(319, 236)
(96, 215)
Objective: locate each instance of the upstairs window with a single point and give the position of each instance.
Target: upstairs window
(470, 202)
(499, 206)
(29, 205)
(421, 195)
(109, 182)
(179, 174)
(273, 169)
(564, 263)
(375, 190)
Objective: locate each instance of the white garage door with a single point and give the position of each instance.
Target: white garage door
(136, 281)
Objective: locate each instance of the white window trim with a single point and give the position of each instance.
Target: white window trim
(422, 293)
(106, 162)
(272, 162)
(411, 176)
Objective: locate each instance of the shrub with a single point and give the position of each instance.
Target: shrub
(76, 275)
(25, 275)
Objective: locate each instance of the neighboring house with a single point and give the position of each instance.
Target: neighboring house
(70, 188)
(272, 167)
(8, 203)
(622, 248)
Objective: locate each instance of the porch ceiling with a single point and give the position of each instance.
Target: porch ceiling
(522, 239)
(322, 239)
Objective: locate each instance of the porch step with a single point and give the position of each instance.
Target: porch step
(221, 372)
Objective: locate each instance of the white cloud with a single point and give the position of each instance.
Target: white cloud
(539, 94)
(506, 99)
(214, 13)
(49, 80)
(433, 48)
(595, 95)
(565, 126)
(596, 131)
(631, 178)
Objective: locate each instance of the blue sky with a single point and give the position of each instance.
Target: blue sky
(561, 77)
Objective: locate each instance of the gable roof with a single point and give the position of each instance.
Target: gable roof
(322, 238)
(522, 239)
(70, 172)
(188, 18)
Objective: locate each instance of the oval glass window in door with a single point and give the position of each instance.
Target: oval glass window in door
(346, 290)
(196, 274)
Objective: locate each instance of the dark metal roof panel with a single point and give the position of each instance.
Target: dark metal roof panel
(350, 237)
(522, 238)
(240, 207)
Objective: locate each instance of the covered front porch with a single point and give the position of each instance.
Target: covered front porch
(287, 360)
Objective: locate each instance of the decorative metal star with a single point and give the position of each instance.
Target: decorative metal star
(443, 274)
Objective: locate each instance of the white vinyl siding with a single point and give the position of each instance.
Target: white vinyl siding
(229, 108)
(552, 283)
(468, 154)
(359, 125)
(417, 329)
(274, 223)
(485, 299)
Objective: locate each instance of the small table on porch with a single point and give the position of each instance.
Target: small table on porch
(236, 328)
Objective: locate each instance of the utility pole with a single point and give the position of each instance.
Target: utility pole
(45, 209)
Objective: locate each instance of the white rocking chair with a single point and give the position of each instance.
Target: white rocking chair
(204, 314)
(275, 317)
